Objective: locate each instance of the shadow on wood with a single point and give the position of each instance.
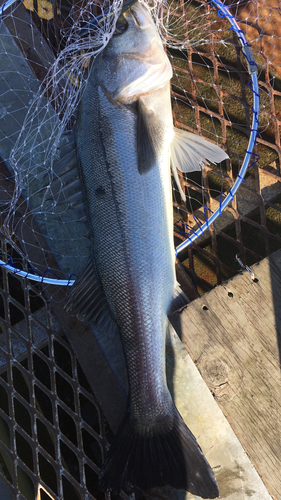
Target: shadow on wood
(275, 273)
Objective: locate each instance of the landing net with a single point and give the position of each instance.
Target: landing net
(44, 68)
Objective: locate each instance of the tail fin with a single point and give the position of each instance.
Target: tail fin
(149, 459)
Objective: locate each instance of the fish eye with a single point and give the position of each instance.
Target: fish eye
(121, 26)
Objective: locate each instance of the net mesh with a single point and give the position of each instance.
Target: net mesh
(49, 114)
(212, 95)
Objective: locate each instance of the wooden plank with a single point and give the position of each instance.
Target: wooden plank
(233, 335)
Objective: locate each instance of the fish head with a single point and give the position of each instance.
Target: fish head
(135, 33)
(134, 61)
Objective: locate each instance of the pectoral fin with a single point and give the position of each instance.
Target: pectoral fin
(156, 75)
(148, 125)
(190, 151)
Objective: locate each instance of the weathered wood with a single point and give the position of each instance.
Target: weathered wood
(233, 335)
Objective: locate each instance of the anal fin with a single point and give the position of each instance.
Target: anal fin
(88, 302)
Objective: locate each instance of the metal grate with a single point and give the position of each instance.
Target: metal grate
(53, 435)
(215, 99)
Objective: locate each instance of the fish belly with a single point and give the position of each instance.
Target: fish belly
(132, 240)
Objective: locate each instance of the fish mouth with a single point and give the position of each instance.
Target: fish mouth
(140, 14)
(127, 4)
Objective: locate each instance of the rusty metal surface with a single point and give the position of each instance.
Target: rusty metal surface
(215, 98)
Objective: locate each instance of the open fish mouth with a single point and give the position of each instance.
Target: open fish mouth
(140, 15)
(127, 4)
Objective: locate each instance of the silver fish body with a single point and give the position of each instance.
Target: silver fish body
(131, 223)
(123, 144)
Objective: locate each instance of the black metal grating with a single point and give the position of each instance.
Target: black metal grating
(53, 435)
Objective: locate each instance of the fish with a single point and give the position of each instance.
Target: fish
(126, 145)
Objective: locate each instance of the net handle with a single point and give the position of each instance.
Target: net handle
(253, 70)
